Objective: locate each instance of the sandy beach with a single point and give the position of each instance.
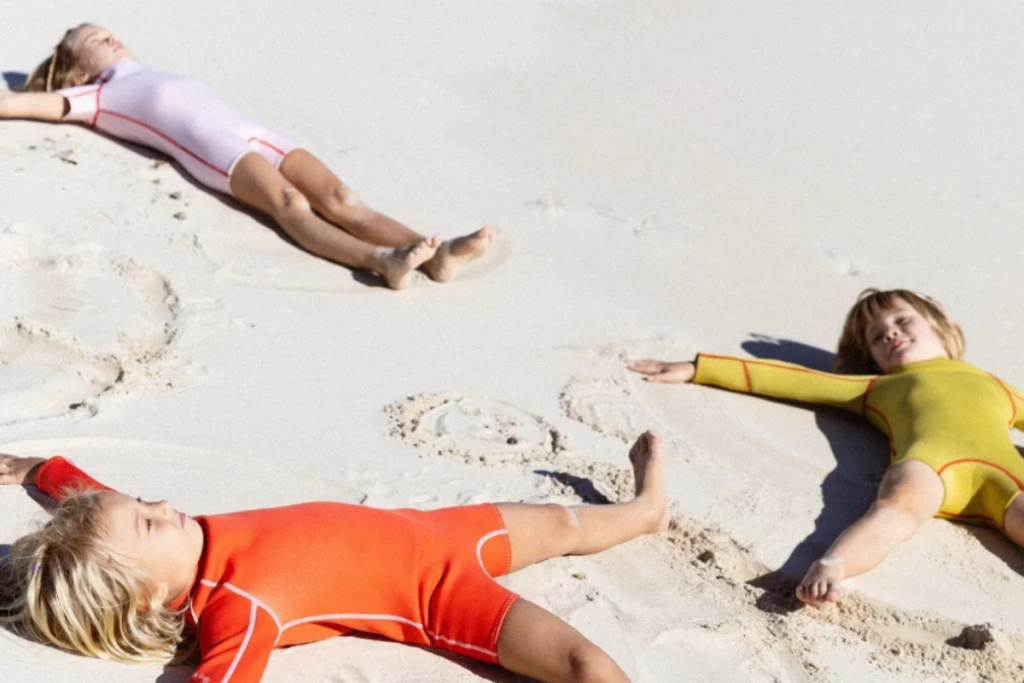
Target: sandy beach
(667, 178)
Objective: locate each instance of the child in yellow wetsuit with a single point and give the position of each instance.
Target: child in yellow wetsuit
(947, 422)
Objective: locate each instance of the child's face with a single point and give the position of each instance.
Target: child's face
(900, 335)
(95, 49)
(155, 538)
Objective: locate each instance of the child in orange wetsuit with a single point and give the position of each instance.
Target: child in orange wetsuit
(120, 578)
(947, 422)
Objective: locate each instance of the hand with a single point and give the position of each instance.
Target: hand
(15, 471)
(663, 372)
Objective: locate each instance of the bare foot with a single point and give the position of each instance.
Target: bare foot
(821, 585)
(395, 265)
(453, 254)
(649, 473)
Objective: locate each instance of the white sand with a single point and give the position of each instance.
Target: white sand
(669, 177)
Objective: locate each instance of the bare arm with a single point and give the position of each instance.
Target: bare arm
(15, 471)
(41, 106)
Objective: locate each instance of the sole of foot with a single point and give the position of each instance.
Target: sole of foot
(453, 254)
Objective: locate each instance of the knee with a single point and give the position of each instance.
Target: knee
(340, 200)
(587, 663)
(898, 510)
(568, 522)
(292, 201)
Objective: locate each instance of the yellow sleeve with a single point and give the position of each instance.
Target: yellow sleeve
(788, 381)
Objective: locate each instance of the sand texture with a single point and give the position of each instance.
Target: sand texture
(667, 177)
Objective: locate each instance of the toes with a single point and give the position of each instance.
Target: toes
(653, 441)
(639, 446)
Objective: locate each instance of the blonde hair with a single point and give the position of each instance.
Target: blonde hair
(60, 69)
(62, 585)
(854, 354)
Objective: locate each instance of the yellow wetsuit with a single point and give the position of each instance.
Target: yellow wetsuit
(946, 413)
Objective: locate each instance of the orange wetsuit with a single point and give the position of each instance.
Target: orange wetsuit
(301, 573)
(945, 413)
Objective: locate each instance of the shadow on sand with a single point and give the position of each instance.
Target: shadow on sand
(861, 454)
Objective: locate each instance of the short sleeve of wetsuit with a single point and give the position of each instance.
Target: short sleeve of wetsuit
(83, 103)
(788, 381)
(1018, 404)
(57, 477)
(236, 637)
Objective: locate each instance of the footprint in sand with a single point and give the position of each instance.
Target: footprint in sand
(77, 322)
(844, 265)
(554, 207)
(473, 428)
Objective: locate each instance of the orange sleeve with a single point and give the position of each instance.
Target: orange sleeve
(236, 637)
(787, 381)
(58, 478)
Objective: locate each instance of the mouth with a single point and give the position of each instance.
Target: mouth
(182, 517)
(899, 345)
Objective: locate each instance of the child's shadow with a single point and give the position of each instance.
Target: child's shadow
(861, 455)
(360, 276)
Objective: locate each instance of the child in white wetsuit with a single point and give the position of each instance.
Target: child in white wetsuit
(90, 78)
(182, 117)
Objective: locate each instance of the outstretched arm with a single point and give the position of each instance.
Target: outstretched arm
(53, 476)
(775, 379)
(41, 106)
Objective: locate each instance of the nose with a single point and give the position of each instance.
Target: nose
(163, 507)
(891, 333)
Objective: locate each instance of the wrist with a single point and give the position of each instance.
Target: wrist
(35, 465)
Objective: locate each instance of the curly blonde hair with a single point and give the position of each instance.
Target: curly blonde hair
(853, 356)
(62, 585)
(60, 69)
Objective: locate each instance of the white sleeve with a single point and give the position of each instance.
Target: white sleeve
(83, 103)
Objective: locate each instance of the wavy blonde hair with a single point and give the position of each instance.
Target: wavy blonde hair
(60, 69)
(62, 585)
(854, 354)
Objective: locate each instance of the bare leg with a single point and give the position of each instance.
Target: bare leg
(538, 644)
(535, 642)
(258, 184)
(1013, 521)
(910, 494)
(340, 205)
(539, 532)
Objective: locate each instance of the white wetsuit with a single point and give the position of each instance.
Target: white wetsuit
(181, 117)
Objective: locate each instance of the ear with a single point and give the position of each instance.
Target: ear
(78, 77)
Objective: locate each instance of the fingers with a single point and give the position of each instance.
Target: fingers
(646, 367)
(663, 372)
(6, 469)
